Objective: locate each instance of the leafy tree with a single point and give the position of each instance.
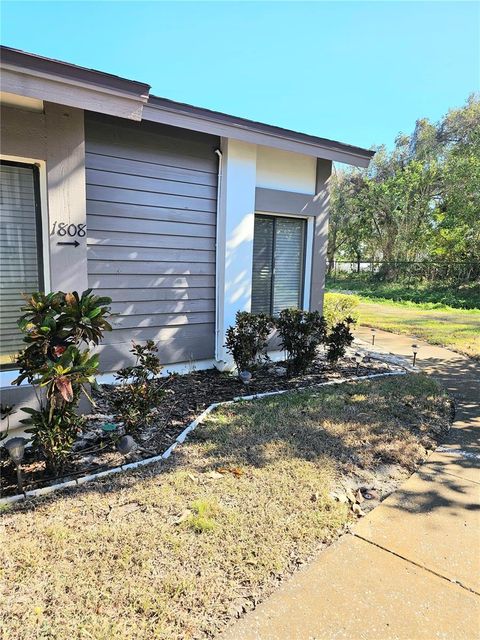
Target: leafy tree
(419, 201)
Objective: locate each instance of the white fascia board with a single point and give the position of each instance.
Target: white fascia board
(71, 93)
(236, 131)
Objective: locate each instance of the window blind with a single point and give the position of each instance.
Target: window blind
(278, 256)
(288, 261)
(20, 266)
(262, 265)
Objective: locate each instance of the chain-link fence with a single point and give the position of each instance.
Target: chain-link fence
(407, 272)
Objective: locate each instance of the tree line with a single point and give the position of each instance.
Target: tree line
(417, 202)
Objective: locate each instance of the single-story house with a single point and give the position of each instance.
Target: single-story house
(180, 214)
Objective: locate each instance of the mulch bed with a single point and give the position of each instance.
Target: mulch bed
(186, 396)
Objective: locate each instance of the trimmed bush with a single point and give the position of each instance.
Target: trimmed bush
(247, 340)
(339, 338)
(337, 307)
(301, 333)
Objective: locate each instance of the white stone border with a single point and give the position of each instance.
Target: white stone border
(181, 438)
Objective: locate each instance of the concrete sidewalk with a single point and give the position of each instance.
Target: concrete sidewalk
(411, 568)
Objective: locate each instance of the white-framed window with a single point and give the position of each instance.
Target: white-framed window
(21, 248)
(278, 274)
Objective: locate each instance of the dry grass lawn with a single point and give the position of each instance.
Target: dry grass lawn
(177, 551)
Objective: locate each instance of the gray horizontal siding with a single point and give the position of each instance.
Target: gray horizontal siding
(176, 344)
(160, 295)
(151, 215)
(150, 198)
(144, 225)
(139, 267)
(149, 254)
(137, 183)
(125, 210)
(128, 166)
(145, 307)
(114, 284)
(120, 239)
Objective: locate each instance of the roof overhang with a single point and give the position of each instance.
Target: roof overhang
(197, 119)
(40, 78)
(44, 79)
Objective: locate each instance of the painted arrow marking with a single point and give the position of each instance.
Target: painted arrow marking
(75, 243)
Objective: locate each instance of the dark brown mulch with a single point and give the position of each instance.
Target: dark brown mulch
(185, 397)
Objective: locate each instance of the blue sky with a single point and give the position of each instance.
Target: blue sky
(359, 72)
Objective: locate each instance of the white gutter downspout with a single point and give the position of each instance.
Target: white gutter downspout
(219, 262)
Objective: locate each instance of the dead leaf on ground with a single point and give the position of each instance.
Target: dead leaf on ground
(181, 517)
(359, 496)
(351, 496)
(339, 497)
(122, 510)
(237, 472)
(357, 510)
(215, 475)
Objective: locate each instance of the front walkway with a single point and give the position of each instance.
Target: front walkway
(411, 568)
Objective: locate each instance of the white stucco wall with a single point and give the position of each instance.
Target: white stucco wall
(285, 171)
(236, 218)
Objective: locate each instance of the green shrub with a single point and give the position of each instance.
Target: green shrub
(53, 434)
(338, 306)
(301, 333)
(138, 392)
(55, 326)
(247, 340)
(339, 338)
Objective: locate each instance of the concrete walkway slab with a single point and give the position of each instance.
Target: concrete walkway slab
(465, 434)
(348, 594)
(434, 521)
(456, 465)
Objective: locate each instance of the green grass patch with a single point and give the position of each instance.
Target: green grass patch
(201, 519)
(457, 329)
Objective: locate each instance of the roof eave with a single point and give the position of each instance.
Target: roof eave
(37, 77)
(223, 125)
(33, 76)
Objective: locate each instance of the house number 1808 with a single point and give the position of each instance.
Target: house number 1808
(63, 229)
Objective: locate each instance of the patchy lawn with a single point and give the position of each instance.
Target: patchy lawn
(178, 551)
(458, 329)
